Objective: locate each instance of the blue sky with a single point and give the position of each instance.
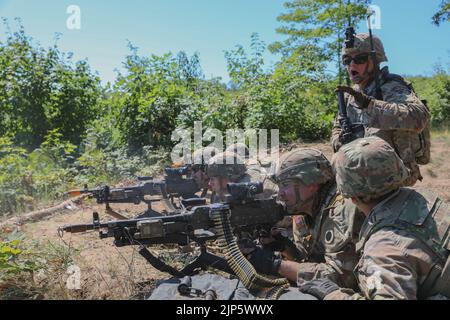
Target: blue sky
(209, 27)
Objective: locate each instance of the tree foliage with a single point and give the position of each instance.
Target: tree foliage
(436, 91)
(443, 15)
(43, 90)
(318, 26)
(60, 128)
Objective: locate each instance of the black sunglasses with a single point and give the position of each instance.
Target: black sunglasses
(361, 59)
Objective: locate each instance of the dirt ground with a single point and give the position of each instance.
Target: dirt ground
(108, 272)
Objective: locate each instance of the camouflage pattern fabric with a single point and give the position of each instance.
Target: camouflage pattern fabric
(362, 45)
(307, 165)
(405, 237)
(398, 119)
(368, 168)
(327, 239)
(398, 258)
(240, 149)
(203, 155)
(226, 164)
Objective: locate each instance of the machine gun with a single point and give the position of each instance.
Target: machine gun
(201, 224)
(176, 184)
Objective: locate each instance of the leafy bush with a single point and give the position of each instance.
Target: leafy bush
(42, 175)
(436, 90)
(33, 270)
(13, 258)
(43, 90)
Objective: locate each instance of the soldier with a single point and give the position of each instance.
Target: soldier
(405, 240)
(326, 228)
(392, 111)
(224, 168)
(200, 159)
(255, 170)
(240, 149)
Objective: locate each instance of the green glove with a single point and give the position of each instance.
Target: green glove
(362, 99)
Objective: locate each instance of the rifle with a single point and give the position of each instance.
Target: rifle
(356, 130)
(200, 224)
(350, 131)
(175, 185)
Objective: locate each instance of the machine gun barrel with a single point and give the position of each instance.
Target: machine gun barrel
(200, 224)
(164, 229)
(174, 185)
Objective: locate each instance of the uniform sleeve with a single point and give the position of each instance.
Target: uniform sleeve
(335, 133)
(338, 235)
(400, 110)
(391, 267)
(338, 267)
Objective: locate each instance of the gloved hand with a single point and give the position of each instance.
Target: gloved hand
(275, 240)
(278, 241)
(362, 100)
(265, 261)
(246, 246)
(319, 288)
(339, 142)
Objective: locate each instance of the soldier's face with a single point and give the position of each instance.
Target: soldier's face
(218, 184)
(201, 179)
(360, 73)
(289, 190)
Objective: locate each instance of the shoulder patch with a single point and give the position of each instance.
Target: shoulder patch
(337, 227)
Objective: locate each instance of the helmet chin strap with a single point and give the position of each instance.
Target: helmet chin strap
(298, 200)
(370, 75)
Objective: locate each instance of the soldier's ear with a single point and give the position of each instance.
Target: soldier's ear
(313, 188)
(355, 201)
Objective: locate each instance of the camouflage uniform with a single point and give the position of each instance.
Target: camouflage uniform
(397, 116)
(404, 242)
(229, 165)
(240, 149)
(202, 156)
(326, 240)
(237, 172)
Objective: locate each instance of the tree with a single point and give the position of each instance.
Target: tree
(443, 14)
(319, 26)
(150, 95)
(293, 96)
(43, 90)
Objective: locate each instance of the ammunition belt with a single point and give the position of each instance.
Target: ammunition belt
(260, 286)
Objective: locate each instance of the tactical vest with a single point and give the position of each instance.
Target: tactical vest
(427, 218)
(423, 139)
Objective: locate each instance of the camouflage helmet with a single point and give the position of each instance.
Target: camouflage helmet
(239, 148)
(362, 45)
(368, 169)
(201, 157)
(310, 166)
(226, 164)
